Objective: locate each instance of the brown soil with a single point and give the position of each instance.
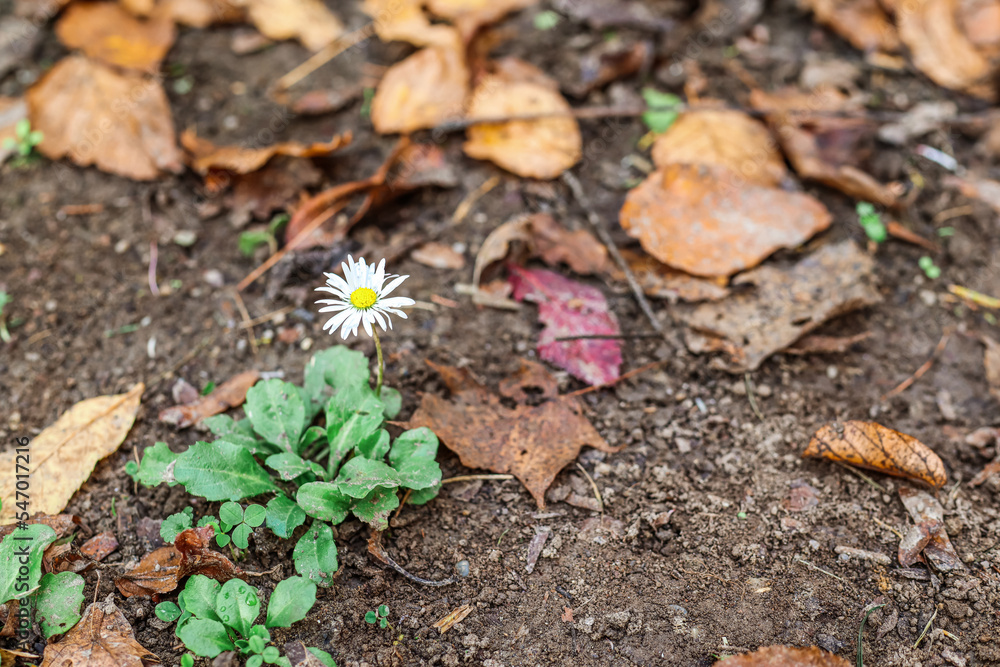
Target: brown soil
(672, 595)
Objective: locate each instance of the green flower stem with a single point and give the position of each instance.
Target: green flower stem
(381, 364)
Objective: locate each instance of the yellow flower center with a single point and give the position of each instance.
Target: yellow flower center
(363, 298)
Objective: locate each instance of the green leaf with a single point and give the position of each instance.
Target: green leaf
(222, 539)
(360, 476)
(423, 496)
(187, 660)
(221, 471)
(271, 655)
(256, 644)
(383, 610)
(276, 410)
(238, 605)
(231, 513)
(241, 536)
(168, 612)
(375, 508)
(249, 241)
(35, 138)
(323, 501)
(412, 455)
(209, 520)
(254, 515)
(157, 466)
(667, 109)
(337, 367)
(175, 523)
(199, 595)
(315, 555)
(22, 128)
(284, 516)
(311, 436)
(290, 602)
(375, 446)
(289, 466)
(58, 602)
(23, 548)
(392, 402)
(255, 661)
(370, 617)
(132, 470)
(322, 656)
(205, 637)
(352, 414)
(239, 433)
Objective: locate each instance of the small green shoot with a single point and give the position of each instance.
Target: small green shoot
(741, 516)
(663, 110)
(546, 20)
(250, 240)
(871, 222)
(187, 660)
(175, 523)
(945, 232)
(380, 616)
(861, 633)
(4, 300)
(24, 140)
(208, 388)
(367, 95)
(240, 521)
(930, 269)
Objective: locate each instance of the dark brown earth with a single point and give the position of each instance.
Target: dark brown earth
(678, 594)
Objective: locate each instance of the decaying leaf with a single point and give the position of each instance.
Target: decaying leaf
(607, 62)
(242, 160)
(298, 654)
(708, 222)
(202, 13)
(569, 308)
(276, 186)
(928, 533)
(542, 148)
(65, 453)
(102, 638)
(531, 442)
(662, 282)
(99, 546)
(863, 23)
(784, 305)
(875, 447)
(452, 618)
(531, 375)
(93, 114)
(470, 15)
(438, 256)
(989, 470)
(972, 186)
(62, 524)
(786, 656)
(405, 20)
(991, 362)
(722, 138)
(422, 91)
(308, 21)
(817, 344)
(106, 32)
(229, 394)
(939, 49)
(161, 570)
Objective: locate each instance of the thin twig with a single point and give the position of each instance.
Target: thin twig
(251, 334)
(595, 222)
(267, 318)
(631, 373)
(153, 254)
(469, 478)
(378, 552)
(597, 493)
(919, 373)
(470, 199)
(324, 56)
(926, 628)
(751, 397)
(862, 476)
(819, 569)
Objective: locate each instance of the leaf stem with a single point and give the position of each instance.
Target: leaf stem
(381, 364)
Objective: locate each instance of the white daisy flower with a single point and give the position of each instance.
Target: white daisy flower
(362, 298)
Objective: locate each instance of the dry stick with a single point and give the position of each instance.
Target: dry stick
(595, 222)
(251, 334)
(751, 397)
(324, 56)
(597, 494)
(919, 373)
(633, 372)
(469, 201)
(819, 569)
(267, 318)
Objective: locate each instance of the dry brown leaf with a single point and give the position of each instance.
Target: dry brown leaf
(229, 394)
(555, 244)
(80, 108)
(707, 222)
(531, 442)
(276, 186)
(62, 524)
(106, 32)
(940, 50)
(470, 15)
(405, 20)
(12, 110)
(817, 344)
(438, 256)
(542, 148)
(141, 8)
(875, 447)
(984, 189)
(786, 656)
(531, 375)
(452, 618)
(421, 91)
(990, 469)
(863, 23)
(722, 138)
(663, 282)
(785, 304)
(65, 453)
(102, 638)
(928, 515)
(308, 21)
(979, 21)
(298, 654)
(99, 546)
(243, 160)
(991, 362)
(202, 13)
(161, 570)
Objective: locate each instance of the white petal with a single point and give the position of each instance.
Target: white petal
(344, 296)
(391, 310)
(336, 282)
(378, 318)
(396, 302)
(351, 323)
(366, 318)
(335, 308)
(379, 277)
(336, 320)
(391, 286)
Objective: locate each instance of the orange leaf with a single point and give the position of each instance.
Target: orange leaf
(863, 23)
(308, 21)
(106, 32)
(705, 221)
(421, 91)
(244, 160)
(160, 571)
(873, 446)
(786, 656)
(102, 638)
(229, 394)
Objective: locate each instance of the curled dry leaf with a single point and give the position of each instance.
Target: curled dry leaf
(161, 570)
(989, 470)
(863, 23)
(424, 90)
(68, 450)
(99, 546)
(531, 442)
(438, 256)
(984, 189)
(470, 15)
(876, 447)
(786, 656)
(569, 308)
(452, 618)
(928, 533)
(229, 394)
(308, 21)
(555, 244)
(102, 638)
(708, 222)
(784, 305)
(722, 138)
(663, 282)
(405, 20)
(939, 49)
(106, 32)
(243, 160)
(817, 344)
(77, 106)
(542, 148)
(276, 186)
(202, 13)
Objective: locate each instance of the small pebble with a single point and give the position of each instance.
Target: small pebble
(122, 246)
(462, 567)
(185, 238)
(214, 278)
(831, 372)
(306, 344)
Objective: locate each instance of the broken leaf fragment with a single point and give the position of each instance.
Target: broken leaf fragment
(243, 160)
(106, 32)
(786, 656)
(928, 533)
(162, 569)
(531, 442)
(229, 394)
(68, 450)
(103, 638)
(424, 90)
(308, 21)
(876, 447)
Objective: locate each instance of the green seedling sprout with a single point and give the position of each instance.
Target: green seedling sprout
(4, 300)
(546, 20)
(24, 140)
(664, 108)
(930, 269)
(380, 616)
(250, 240)
(871, 222)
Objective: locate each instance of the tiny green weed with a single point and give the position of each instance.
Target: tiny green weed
(871, 222)
(380, 616)
(4, 300)
(663, 110)
(930, 269)
(24, 140)
(546, 20)
(250, 240)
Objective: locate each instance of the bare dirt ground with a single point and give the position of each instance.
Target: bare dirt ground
(733, 567)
